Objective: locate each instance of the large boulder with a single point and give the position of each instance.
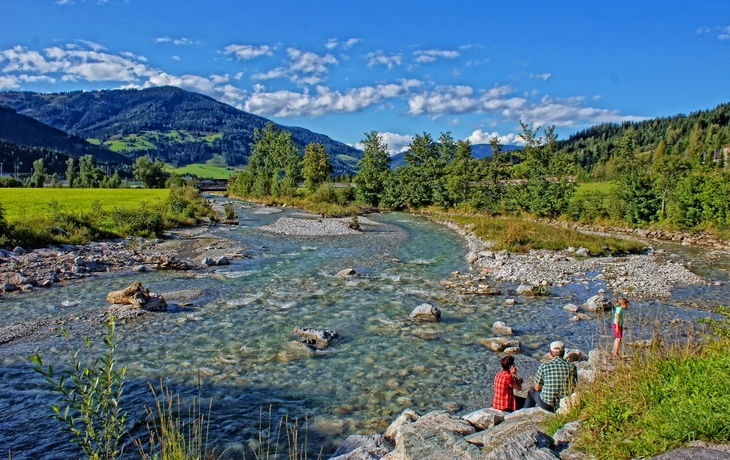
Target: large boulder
(315, 338)
(528, 445)
(138, 296)
(483, 419)
(601, 360)
(426, 312)
(345, 273)
(597, 303)
(406, 417)
(525, 420)
(574, 355)
(499, 344)
(357, 447)
(436, 435)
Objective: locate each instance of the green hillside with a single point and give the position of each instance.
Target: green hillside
(178, 126)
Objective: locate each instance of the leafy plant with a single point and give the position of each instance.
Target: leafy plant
(719, 327)
(90, 393)
(230, 211)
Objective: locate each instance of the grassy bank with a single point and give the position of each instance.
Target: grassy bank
(39, 217)
(520, 235)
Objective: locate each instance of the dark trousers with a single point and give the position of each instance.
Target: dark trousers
(533, 399)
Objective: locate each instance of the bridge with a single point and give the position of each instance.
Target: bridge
(213, 185)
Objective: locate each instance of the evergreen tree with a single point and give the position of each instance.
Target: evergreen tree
(316, 167)
(373, 170)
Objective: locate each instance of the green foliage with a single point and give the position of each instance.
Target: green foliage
(91, 394)
(230, 211)
(39, 173)
(149, 172)
(719, 327)
(316, 167)
(663, 399)
(373, 170)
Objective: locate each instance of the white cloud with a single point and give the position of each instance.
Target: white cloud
(349, 43)
(324, 100)
(36, 78)
(92, 45)
(481, 137)
(461, 99)
(540, 76)
(219, 78)
(425, 56)
(725, 35)
(210, 86)
(380, 58)
(238, 76)
(163, 39)
(176, 58)
(565, 112)
(176, 41)
(331, 44)
(396, 142)
(304, 67)
(703, 30)
(247, 52)
(8, 82)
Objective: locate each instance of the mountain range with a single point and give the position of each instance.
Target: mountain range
(178, 126)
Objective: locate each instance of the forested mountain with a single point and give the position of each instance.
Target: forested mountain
(178, 126)
(699, 132)
(20, 130)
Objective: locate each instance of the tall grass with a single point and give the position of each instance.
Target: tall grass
(521, 235)
(659, 399)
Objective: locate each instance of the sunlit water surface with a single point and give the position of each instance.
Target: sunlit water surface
(235, 345)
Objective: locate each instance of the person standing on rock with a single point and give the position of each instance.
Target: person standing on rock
(554, 380)
(505, 382)
(618, 324)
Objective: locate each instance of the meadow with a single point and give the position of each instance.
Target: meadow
(585, 187)
(32, 203)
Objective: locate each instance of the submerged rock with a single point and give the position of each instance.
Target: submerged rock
(573, 308)
(346, 272)
(499, 344)
(315, 338)
(500, 328)
(425, 312)
(138, 296)
(597, 303)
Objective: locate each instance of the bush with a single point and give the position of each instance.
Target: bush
(230, 211)
(91, 393)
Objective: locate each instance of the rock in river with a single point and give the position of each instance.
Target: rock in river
(425, 312)
(597, 303)
(499, 344)
(314, 337)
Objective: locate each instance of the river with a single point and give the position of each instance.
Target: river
(235, 348)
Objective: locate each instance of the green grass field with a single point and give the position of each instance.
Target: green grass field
(30, 203)
(203, 171)
(594, 187)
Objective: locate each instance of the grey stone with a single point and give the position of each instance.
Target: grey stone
(78, 269)
(600, 360)
(139, 268)
(485, 418)
(358, 447)
(346, 272)
(586, 375)
(582, 252)
(207, 262)
(695, 453)
(565, 434)
(94, 266)
(500, 434)
(500, 328)
(529, 445)
(425, 312)
(47, 283)
(499, 344)
(222, 260)
(10, 287)
(597, 303)
(436, 435)
(513, 350)
(472, 257)
(79, 261)
(406, 417)
(487, 254)
(573, 308)
(510, 301)
(18, 251)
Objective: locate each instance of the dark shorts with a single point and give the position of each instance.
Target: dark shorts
(618, 331)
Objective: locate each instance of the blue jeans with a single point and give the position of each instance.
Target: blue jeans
(533, 399)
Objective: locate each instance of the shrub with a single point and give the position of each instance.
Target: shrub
(230, 211)
(91, 393)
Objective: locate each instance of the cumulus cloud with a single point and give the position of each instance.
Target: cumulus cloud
(304, 67)
(92, 45)
(246, 52)
(175, 58)
(380, 58)
(481, 137)
(324, 100)
(566, 112)
(397, 143)
(540, 76)
(163, 39)
(8, 82)
(426, 56)
(461, 99)
(331, 44)
(210, 86)
(176, 41)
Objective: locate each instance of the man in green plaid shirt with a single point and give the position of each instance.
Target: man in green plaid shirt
(554, 380)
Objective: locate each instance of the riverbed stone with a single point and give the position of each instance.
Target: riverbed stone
(500, 328)
(346, 272)
(18, 251)
(425, 312)
(406, 417)
(358, 447)
(597, 303)
(499, 344)
(10, 287)
(139, 268)
(573, 308)
(315, 338)
(222, 260)
(435, 435)
(486, 418)
(582, 252)
(573, 355)
(207, 262)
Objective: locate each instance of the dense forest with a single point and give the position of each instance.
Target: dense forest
(178, 126)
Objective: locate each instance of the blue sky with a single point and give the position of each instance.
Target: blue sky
(341, 68)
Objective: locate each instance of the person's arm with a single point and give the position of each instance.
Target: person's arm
(573, 378)
(516, 381)
(538, 379)
(617, 318)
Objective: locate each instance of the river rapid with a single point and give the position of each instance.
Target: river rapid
(234, 346)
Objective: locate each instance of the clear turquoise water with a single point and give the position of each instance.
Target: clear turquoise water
(235, 345)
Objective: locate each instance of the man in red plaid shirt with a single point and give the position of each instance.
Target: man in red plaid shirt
(505, 382)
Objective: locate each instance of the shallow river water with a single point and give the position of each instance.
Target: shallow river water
(235, 346)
